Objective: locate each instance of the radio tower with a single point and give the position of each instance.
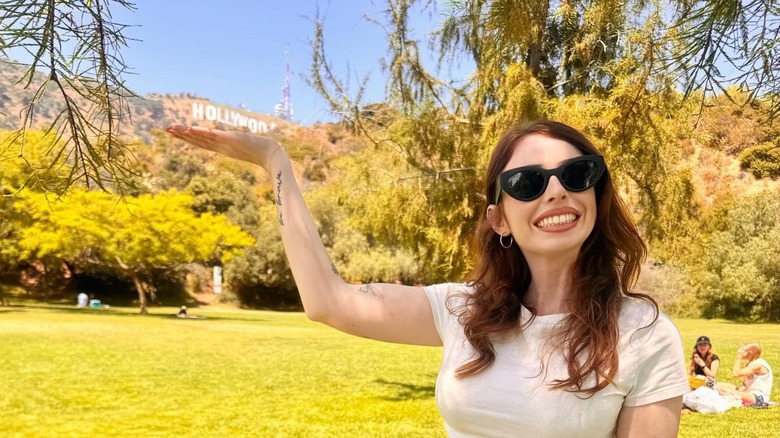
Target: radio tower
(283, 109)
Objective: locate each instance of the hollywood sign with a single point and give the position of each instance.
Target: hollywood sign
(214, 113)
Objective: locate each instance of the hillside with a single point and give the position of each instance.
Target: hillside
(154, 111)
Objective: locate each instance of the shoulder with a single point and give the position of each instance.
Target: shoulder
(637, 313)
(651, 354)
(449, 288)
(440, 293)
(762, 362)
(644, 323)
(444, 297)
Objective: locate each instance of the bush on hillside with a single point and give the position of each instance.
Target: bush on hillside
(763, 161)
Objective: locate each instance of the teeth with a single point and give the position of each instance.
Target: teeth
(556, 220)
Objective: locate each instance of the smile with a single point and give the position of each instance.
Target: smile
(556, 220)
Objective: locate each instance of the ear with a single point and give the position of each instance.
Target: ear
(495, 215)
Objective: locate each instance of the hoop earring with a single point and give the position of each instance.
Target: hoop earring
(501, 241)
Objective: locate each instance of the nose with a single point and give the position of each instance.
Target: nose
(555, 190)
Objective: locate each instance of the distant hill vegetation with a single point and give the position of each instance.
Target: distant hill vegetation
(154, 111)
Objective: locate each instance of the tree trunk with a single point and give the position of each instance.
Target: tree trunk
(45, 282)
(141, 292)
(535, 49)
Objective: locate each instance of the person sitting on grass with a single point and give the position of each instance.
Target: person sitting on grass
(756, 376)
(704, 362)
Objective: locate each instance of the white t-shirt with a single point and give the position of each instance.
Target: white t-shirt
(511, 398)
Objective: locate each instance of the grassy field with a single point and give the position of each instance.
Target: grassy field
(85, 373)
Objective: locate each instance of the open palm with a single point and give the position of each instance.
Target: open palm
(234, 144)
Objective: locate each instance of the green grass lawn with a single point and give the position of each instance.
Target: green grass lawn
(84, 373)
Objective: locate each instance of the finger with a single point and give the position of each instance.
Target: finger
(174, 129)
(182, 133)
(197, 134)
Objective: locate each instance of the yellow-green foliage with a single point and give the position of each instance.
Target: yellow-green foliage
(428, 215)
(522, 98)
(735, 269)
(763, 161)
(27, 162)
(143, 232)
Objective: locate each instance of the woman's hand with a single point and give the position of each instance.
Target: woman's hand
(699, 361)
(239, 145)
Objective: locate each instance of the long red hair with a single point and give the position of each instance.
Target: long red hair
(606, 269)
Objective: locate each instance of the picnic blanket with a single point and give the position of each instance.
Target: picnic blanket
(708, 401)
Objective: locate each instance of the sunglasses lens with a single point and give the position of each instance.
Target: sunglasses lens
(580, 175)
(526, 184)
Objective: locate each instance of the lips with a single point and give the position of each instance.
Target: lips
(557, 218)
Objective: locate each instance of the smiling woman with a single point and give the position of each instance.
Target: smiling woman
(546, 319)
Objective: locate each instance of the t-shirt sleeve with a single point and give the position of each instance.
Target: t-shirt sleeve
(437, 296)
(661, 368)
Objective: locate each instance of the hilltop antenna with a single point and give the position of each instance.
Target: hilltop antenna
(283, 109)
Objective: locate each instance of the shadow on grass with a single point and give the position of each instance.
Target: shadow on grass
(408, 391)
(19, 308)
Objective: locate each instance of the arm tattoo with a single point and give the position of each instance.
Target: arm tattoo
(333, 268)
(371, 290)
(279, 188)
(279, 195)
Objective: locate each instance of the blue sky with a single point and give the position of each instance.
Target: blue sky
(233, 51)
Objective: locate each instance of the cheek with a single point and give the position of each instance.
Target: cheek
(587, 202)
(518, 212)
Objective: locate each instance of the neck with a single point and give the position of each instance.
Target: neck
(550, 291)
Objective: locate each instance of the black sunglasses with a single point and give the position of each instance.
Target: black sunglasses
(529, 182)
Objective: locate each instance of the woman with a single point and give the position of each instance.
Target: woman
(546, 339)
(704, 362)
(756, 375)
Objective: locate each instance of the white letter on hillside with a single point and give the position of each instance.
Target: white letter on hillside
(211, 113)
(197, 111)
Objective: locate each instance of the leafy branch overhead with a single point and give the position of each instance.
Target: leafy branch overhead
(727, 42)
(77, 46)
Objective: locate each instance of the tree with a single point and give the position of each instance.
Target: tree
(75, 49)
(592, 64)
(736, 270)
(133, 237)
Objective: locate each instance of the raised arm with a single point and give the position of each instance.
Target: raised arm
(745, 370)
(709, 371)
(385, 312)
